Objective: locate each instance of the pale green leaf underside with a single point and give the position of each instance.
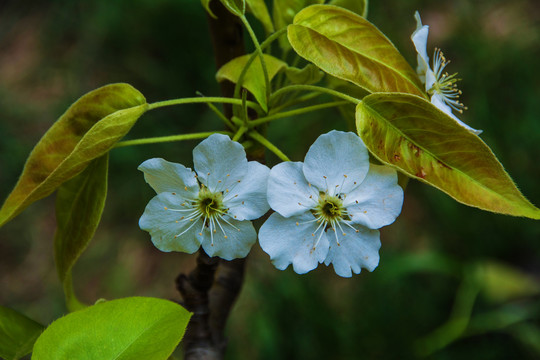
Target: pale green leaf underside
(260, 11)
(254, 77)
(349, 47)
(17, 334)
(411, 134)
(79, 205)
(124, 329)
(87, 130)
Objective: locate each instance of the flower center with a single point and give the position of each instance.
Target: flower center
(210, 204)
(329, 208)
(445, 84)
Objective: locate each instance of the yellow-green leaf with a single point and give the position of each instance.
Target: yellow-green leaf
(206, 6)
(254, 77)
(284, 12)
(136, 328)
(79, 205)
(260, 11)
(309, 74)
(87, 130)
(420, 140)
(502, 283)
(17, 334)
(359, 7)
(237, 7)
(349, 47)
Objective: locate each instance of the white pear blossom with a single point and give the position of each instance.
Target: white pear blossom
(440, 86)
(329, 207)
(210, 207)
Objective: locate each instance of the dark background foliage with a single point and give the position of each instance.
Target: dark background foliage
(51, 52)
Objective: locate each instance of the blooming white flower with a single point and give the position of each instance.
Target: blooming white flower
(441, 87)
(329, 207)
(211, 207)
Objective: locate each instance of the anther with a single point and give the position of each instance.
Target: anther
(297, 223)
(174, 193)
(166, 208)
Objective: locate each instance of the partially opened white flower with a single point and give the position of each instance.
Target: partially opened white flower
(211, 207)
(440, 86)
(329, 207)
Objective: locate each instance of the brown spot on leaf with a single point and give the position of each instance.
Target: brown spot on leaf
(444, 165)
(421, 174)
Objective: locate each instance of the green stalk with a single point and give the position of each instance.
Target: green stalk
(296, 112)
(171, 138)
(252, 58)
(261, 55)
(314, 88)
(222, 100)
(261, 139)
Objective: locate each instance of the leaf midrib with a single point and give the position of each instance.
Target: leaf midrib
(389, 124)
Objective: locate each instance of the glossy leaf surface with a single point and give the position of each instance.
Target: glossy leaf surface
(349, 47)
(17, 334)
(125, 329)
(254, 77)
(420, 140)
(79, 205)
(88, 129)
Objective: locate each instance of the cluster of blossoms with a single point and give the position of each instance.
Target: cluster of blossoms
(440, 86)
(327, 209)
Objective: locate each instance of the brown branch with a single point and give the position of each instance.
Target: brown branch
(198, 343)
(209, 296)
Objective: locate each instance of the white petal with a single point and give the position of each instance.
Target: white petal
(419, 38)
(439, 103)
(247, 200)
(165, 176)
(355, 251)
(230, 241)
(220, 162)
(336, 162)
(292, 241)
(288, 190)
(168, 228)
(377, 201)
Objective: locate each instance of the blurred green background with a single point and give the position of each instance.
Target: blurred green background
(437, 260)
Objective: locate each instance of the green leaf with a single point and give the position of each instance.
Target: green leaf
(359, 7)
(501, 283)
(260, 11)
(254, 77)
(79, 205)
(206, 6)
(411, 134)
(308, 75)
(17, 334)
(349, 47)
(237, 7)
(284, 12)
(125, 329)
(87, 130)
